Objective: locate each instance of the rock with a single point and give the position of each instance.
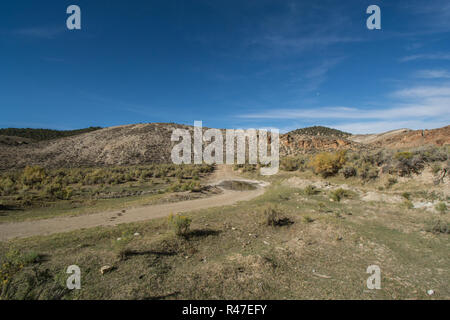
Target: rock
(137, 234)
(106, 269)
(430, 292)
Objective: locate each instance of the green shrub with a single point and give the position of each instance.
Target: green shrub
(435, 168)
(438, 226)
(56, 191)
(406, 195)
(274, 217)
(441, 207)
(7, 186)
(405, 155)
(348, 172)
(408, 204)
(310, 190)
(391, 182)
(368, 172)
(33, 175)
(339, 194)
(180, 224)
(289, 164)
(11, 264)
(121, 244)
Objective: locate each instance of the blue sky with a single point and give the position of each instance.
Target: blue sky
(231, 64)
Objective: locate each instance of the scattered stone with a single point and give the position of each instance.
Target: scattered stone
(106, 269)
(137, 234)
(430, 292)
(118, 239)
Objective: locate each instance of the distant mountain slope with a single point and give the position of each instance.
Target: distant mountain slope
(406, 138)
(122, 145)
(371, 138)
(43, 134)
(150, 143)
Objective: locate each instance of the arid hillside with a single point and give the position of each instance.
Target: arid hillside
(150, 143)
(122, 145)
(406, 138)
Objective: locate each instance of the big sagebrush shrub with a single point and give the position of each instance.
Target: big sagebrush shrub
(180, 224)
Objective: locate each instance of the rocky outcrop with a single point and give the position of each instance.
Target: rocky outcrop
(292, 144)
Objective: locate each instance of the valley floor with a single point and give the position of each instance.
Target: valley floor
(319, 249)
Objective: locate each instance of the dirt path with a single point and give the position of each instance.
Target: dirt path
(112, 218)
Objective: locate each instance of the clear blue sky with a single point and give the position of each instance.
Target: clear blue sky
(232, 64)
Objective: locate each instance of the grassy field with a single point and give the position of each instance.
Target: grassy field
(290, 243)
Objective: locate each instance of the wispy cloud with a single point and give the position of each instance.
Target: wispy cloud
(424, 92)
(311, 79)
(433, 74)
(426, 56)
(39, 32)
(383, 126)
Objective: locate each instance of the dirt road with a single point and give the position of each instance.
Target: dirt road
(58, 225)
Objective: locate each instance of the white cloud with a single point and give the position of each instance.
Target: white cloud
(430, 56)
(417, 107)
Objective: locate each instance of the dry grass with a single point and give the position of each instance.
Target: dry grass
(231, 253)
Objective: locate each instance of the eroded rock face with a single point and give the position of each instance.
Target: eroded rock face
(300, 144)
(413, 138)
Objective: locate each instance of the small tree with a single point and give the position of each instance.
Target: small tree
(328, 164)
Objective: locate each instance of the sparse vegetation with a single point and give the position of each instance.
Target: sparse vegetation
(44, 134)
(321, 131)
(441, 207)
(35, 187)
(438, 226)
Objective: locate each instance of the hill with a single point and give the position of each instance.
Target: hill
(43, 134)
(320, 131)
(406, 138)
(150, 143)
